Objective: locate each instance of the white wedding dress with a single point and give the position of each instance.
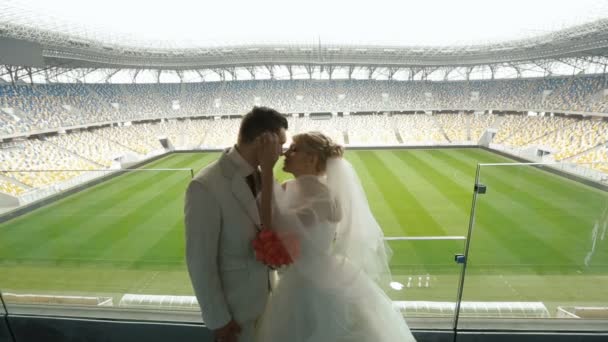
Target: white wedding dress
(326, 295)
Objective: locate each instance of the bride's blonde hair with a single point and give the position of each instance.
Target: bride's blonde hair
(320, 145)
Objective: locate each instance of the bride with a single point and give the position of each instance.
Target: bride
(330, 292)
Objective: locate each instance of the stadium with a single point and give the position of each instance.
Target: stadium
(486, 165)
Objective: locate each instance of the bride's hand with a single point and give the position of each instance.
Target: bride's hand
(269, 150)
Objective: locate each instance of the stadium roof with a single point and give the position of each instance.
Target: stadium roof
(61, 49)
(43, 37)
(190, 23)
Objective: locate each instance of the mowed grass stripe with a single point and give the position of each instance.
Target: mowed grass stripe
(459, 175)
(553, 182)
(92, 212)
(169, 247)
(66, 212)
(413, 217)
(106, 186)
(404, 255)
(510, 221)
(558, 217)
(165, 242)
(501, 227)
(147, 228)
(146, 204)
(159, 218)
(83, 229)
(560, 190)
(570, 213)
(433, 189)
(436, 192)
(461, 182)
(90, 216)
(500, 201)
(156, 231)
(64, 218)
(378, 203)
(421, 190)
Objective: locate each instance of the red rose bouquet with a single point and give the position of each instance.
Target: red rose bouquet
(275, 250)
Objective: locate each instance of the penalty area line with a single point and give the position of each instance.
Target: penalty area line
(394, 238)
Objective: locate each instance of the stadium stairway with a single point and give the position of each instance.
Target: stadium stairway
(487, 138)
(75, 154)
(116, 142)
(507, 137)
(440, 127)
(497, 122)
(589, 150)
(398, 136)
(468, 120)
(549, 133)
(203, 137)
(18, 115)
(558, 92)
(15, 181)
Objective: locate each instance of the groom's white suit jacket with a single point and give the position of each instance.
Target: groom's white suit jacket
(221, 215)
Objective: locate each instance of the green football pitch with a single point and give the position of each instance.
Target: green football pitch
(537, 236)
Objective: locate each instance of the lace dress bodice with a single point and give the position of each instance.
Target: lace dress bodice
(312, 209)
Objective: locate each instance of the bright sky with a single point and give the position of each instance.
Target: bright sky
(401, 22)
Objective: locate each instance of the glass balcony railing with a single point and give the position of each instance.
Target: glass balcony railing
(425, 279)
(111, 244)
(2, 307)
(538, 251)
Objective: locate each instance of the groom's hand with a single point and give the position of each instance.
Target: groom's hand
(228, 333)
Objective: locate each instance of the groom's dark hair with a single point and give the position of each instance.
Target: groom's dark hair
(260, 120)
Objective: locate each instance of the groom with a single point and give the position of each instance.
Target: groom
(222, 219)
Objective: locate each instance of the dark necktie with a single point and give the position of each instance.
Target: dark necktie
(251, 182)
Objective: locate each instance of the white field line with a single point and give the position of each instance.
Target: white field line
(398, 238)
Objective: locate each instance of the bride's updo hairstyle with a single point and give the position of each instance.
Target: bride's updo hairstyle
(320, 145)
